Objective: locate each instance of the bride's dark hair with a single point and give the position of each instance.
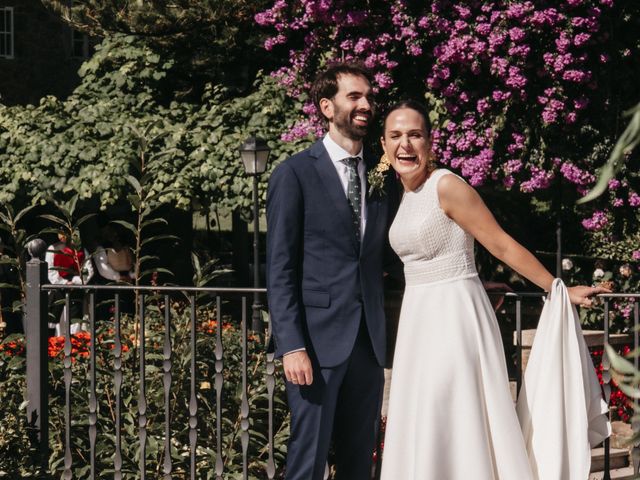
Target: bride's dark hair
(413, 105)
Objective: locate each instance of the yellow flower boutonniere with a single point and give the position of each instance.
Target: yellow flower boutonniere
(376, 176)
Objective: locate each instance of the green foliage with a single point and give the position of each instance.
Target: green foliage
(13, 433)
(212, 40)
(91, 144)
(629, 139)
(218, 130)
(18, 239)
(627, 378)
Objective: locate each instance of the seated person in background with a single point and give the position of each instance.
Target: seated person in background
(113, 260)
(67, 265)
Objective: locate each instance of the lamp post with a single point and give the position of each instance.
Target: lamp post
(255, 155)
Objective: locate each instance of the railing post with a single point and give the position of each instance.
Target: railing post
(36, 310)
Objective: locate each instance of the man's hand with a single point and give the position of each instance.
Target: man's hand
(297, 368)
(581, 294)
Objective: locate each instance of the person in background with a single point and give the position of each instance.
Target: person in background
(67, 265)
(113, 261)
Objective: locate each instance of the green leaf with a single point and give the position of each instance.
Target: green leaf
(49, 230)
(23, 212)
(133, 181)
(85, 218)
(127, 225)
(619, 363)
(5, 219)
(629, 140)
(54, 219)
(154, 221)
(629, 390)
(146, 258)
(16, 363)
(155, 270)
(71, 206)
(157, 238)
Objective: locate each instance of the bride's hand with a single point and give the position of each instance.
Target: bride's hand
(581, 294)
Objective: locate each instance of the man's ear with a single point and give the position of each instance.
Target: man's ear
(326, 108)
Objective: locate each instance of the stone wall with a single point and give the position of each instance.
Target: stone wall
(42, 63)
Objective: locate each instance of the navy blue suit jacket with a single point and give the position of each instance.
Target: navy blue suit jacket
(319, 280)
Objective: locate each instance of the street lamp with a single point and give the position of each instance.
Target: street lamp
(255, 155)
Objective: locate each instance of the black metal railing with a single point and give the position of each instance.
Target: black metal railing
(37, 329)
(37, 318)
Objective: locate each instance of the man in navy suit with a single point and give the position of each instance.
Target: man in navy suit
(326, 240)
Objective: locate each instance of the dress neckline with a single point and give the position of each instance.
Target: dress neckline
(422, 185)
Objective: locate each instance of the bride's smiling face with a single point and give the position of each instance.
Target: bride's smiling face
(406, 143)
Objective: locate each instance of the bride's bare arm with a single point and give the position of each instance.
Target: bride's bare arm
(463, 205)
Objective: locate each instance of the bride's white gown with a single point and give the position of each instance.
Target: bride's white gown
(451, 415)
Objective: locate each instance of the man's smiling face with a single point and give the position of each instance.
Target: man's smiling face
(351, 109)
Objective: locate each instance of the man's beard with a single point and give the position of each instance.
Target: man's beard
(343, 120)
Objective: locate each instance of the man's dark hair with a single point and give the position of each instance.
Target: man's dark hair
(325, 84)
(413, 105)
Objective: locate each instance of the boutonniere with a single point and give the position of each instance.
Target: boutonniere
(377, 174)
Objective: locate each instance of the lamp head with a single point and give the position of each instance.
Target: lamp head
(254, 153)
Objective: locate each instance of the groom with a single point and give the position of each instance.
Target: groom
(325, 246)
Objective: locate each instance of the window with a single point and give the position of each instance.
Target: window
(6, 32)
(80, 47)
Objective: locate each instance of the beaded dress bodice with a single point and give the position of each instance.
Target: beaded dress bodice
(432, 247)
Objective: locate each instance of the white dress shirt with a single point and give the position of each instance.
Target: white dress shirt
(86, 270)
(337, 154)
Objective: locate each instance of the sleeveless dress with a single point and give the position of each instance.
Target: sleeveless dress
(451, 415)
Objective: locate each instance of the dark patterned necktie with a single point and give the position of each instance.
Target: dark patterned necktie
(354, 193)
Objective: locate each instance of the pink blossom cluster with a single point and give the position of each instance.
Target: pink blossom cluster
(577, 176)
(597, 221)
(621, 194)
(540, 179)
(503, 59)
(512, 81)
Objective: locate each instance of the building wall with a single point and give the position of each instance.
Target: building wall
(43, 62)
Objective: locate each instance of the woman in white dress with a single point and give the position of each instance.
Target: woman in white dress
(451, 415)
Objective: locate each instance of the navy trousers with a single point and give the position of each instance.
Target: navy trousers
(341, 405)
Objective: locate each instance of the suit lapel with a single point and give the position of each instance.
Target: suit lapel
(372, 203)
(331, 182)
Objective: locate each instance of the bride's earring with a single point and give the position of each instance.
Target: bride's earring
(431, 162)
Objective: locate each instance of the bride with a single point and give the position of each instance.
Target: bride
(451, 415)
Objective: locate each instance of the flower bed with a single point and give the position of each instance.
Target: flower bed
(14, 431)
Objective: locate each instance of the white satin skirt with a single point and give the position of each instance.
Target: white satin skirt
(451, 415)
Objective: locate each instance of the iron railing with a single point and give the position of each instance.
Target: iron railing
(37, 318)
(38, 388)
